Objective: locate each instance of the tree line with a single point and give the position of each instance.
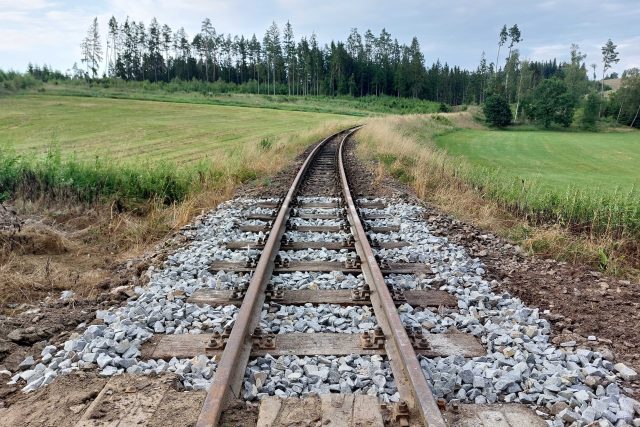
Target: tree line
(277, 63)
(544, 92)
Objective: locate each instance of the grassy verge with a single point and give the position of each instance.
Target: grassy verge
(570, 223)
(68, 243)
(213, 94)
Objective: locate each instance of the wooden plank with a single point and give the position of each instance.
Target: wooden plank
(304, 215)
(318, 228)
(428, 298)
(307, 344)
(324, 266)
(366, 411)
(319, 205)
(127, 402)
(372, 205)
(269, 411)
(337, 409)
(376, 216)
(298, 246)
(340, 410)
(337, 216)
(268, 205)
(255, 228)
(213, 297)
(261, 217)
(389, 229)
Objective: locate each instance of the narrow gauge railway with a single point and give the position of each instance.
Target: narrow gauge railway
(320, 203)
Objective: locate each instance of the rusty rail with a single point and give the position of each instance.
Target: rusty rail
(412, 384)
(227, 381)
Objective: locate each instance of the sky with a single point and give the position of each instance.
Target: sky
(455, 31)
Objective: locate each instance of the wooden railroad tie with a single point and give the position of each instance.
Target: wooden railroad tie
(308, 344)
(415, 298)
(350, 266)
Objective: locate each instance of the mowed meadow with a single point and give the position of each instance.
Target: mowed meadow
(134, 150)
(601, 162)
(135, 130)
(585, 180)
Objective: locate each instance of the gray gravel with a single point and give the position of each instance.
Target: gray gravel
(280, 319)
(287, 376)
(308, 236)
(309, 280)
(575, 386)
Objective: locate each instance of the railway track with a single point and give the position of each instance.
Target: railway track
(320, 201)
(327, 308)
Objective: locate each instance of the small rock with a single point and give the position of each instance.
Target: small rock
(625, 372)
(65, 295)
(27, 363)
(76, 409)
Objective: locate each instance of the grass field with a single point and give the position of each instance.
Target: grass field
(143, 130)
(600, 162)
(135, 151)
(210, 93)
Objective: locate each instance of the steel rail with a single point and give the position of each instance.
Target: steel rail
(227, 380)
(411, 381)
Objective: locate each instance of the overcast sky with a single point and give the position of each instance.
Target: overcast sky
(454, 31)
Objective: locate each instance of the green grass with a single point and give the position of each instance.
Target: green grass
(556, 160)
(133, 130)
(221, 94)
(133, 151)
(583, 180)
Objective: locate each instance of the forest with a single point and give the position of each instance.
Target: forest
(363, 65)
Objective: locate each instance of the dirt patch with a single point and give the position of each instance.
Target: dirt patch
(59, 404)
(86, 399)
(240, 413)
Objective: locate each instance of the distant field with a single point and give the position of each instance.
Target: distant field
(556, 160)
(130, 130)
(201, 93)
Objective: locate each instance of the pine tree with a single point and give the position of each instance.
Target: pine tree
(289, 54)
(91, 48)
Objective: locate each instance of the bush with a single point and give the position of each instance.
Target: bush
(590, 113)
(497, 111)
(551, 102)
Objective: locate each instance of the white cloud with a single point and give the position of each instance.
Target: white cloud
(456, 32)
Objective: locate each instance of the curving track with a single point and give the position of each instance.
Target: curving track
(323, 174)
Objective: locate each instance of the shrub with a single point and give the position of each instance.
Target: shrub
(551, 102)
(590, 113)
(497, 111)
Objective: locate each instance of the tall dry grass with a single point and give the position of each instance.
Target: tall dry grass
(404, 147)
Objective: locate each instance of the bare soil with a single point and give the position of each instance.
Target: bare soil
(85, 399)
